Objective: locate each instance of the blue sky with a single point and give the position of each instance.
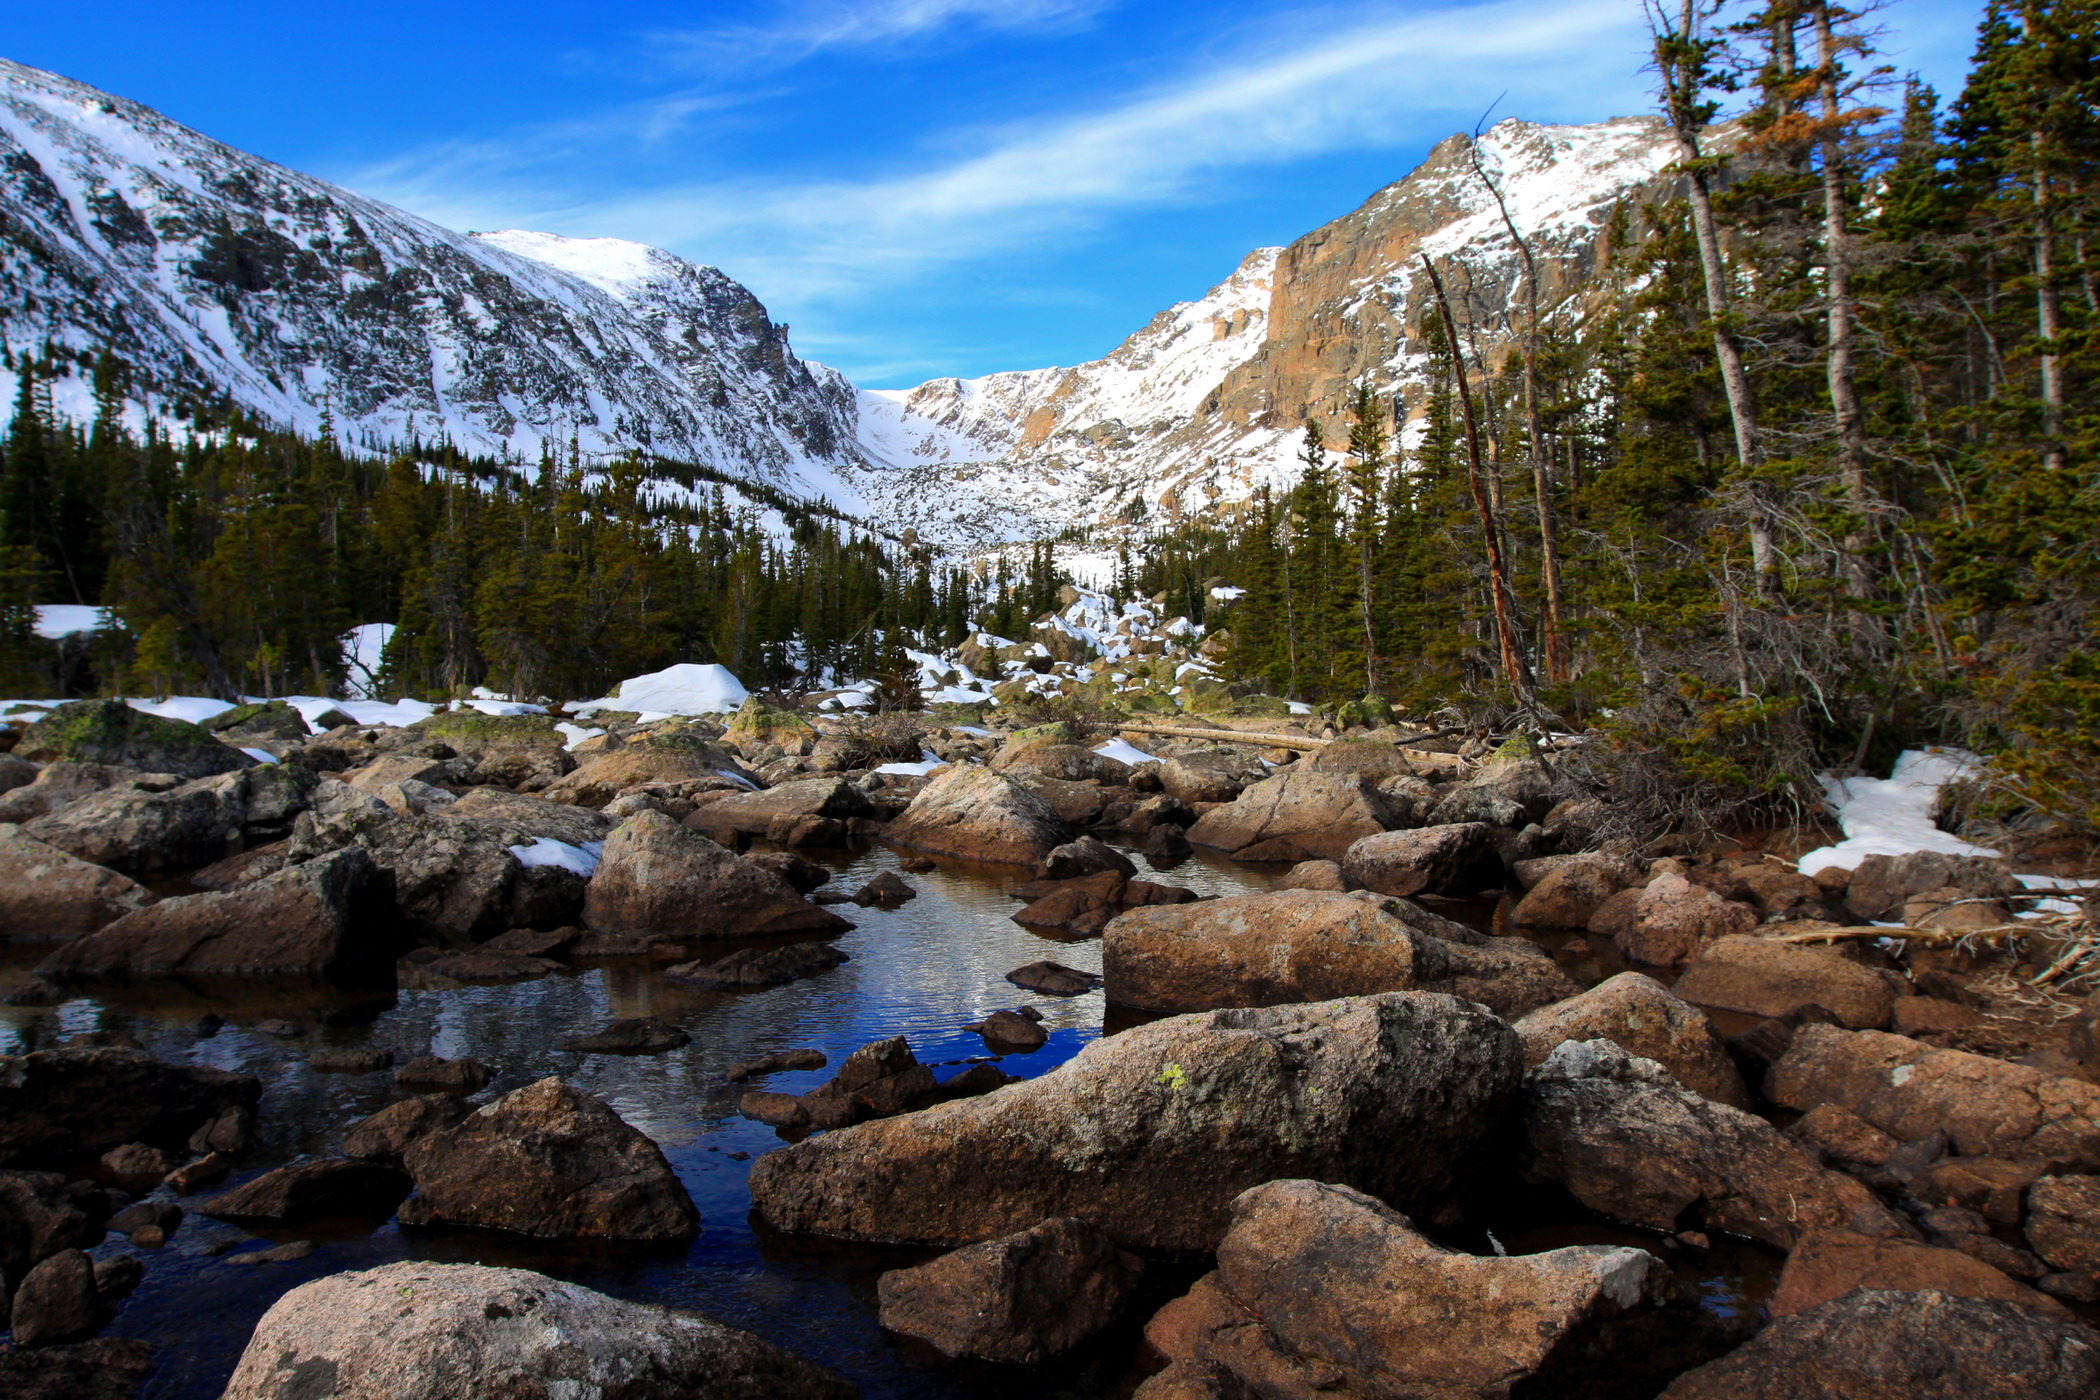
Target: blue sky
(918, 187)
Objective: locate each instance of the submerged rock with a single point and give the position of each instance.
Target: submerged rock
(421, 1331)
(749, 968)
(1024, 1298)
(1151, 1133)
(632, 1035)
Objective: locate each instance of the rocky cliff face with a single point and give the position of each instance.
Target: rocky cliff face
(1208, 401)
(211, 272)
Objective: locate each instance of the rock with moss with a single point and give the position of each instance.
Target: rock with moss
(112, 732)
(513, 751)
(264, 721)
(756, 723)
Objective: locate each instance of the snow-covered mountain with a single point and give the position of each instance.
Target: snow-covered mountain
(1209, 399)
(213, 272)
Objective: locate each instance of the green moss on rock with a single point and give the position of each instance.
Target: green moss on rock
(110, 731)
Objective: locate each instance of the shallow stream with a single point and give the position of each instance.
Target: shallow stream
(921, 970)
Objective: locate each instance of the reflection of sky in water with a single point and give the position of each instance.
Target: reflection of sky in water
(921, 970)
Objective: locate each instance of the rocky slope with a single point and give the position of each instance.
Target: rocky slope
(212, 272)
(1208, 400)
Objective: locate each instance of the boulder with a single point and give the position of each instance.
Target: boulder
(1882, 886)
(1881, 1344)
(1986, 1107)
(1023, 1298)
(1061, 762)
(257, 721)
(423, 1331)
(58, 784)
(1292, 818)
(142, 832)
(971, 813)
(658, 880)
(1764, 977)
(56, 1302)
(47, 893)
(1315, 875)
(1639, 1015)
(1262, 950)
(1511, 977)
(112, 732)
(532, 816)
(2063, 1222)
(755, 812)
(1427, 860)
(1569, 893)
(107, 1368)
(1506, 793)
(630, 1035)
(57, 1106)
(888, 889)
(1826, 1264)
(680, 757)
(756, 724)
(1054, 979)
(329, 917)
(1212, 775)
(1085, 856)
(1631, 1143)
(385, 1135)
(1011, 1033)
(506, 751)
(749, 968)
(551, 1161)
(1349, 1295)
(312, 1190)
(878, 1080)
(1843, 1135)
(1152, 1132)
(454, 877)
(1674, 919)
(476, 965)
(42, 1213)
(1374, 759)
(460, 1076)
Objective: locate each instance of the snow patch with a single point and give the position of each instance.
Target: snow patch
(1124, 752)
(685, 689)
(56, 620)
(576, 732)
(1892, 816)
(582, 860)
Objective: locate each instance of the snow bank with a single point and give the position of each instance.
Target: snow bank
(583, 860)
(928, 761)
(194, 708)
(400, 714)
(55, 620)
(686, 689)
(1892, 816)
(505, 707)
(1123, 752)
(577, 733)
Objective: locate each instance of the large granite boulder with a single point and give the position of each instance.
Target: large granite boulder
(1330, 1291)
(657, 880)
(47, 893)
(680, 757)
(329, 917)
(1295, 817)
(1642, 1017)
(1673, 919)
(1023, 1298)
(1764, 977)
(1151, 1133)
(112, 732)
(1826, 1264)
(195, 823)
(755, 812)
(57, 784)
(508, 751)
(1630, 1142)
(1455, 860)
(971, 813)
(424, 1331)
(58, 1106)
(552, 1161)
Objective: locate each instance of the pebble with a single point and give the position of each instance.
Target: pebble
(276, 1254)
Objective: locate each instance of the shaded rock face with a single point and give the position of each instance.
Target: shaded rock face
(1151, 1133)
(47, 893)
(1673, 919)
(510, 751)
(330, 917)
(680, 758)
(1827, 1264)
(2063, 1222)
(313, 1190)
(385, 1135)
(1570, 892)
(111, 732)
(1763, 977)
(755, 812)
(1874, 1344)
(1881, 886)
(413, 1331)
(57, 1106)
(1509, 794)
(1509, 976)
(60, 783)
(42, 1213)
(1295, 817)
(970, 813)
(1457, 859)
(196, 823)
(749, 968)
(56, 1302)
(551, 1161)
(454, 877)
(107, 1368)
(1261, 950)
(657, 880)
(1631, 1143)
(1086, 856)
(1640, 1015)
(1986, 1107)
(1214, 775)
(1024, 1298)
(1346, 1297)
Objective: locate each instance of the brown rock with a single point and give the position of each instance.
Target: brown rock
(1298, 816)
(768, 1064)
(749, 968)
(107, 1368)
(1881, 887)
(1024, 1298)
(1990, 1185)
(208, 1170)
(313, 1190)
(481, 965)
(1930, 1016)
(1881, 1344)
(1151, 1133)
(755, 812)
(57, 1106)
(1451, 859)
(1511, 977)
(1614, 918)
(1826, 1264)
(1054, 979)
(385, 1135)
(2063, 1222)
(972, 813)
(660, 881)
(1674, 919)
(1085, 856)
(630, 1035)
(551, 1161)
(349, 1059)
(461, 1076)
(1262, 950)
(1640, 1016)
(1765, 977)
(1985, 1106)
(1063, 762)
(47, 893)
(1010, 1033)
(1630, 1143)
(57, 1303)
(682, 759)
(1213, 775)
(136, 1167)
(42, 1213)
(1569, 894)
(1323, 875)
(1843, 1135)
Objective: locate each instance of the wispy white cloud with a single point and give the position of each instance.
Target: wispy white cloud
(804, 27)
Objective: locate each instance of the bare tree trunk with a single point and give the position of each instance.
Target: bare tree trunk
(1541, 468)
(1513, 667)
(2048, 315)
(1849, 418)
(1680, 104)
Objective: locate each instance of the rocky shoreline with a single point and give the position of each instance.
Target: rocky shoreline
(1316, 1085)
